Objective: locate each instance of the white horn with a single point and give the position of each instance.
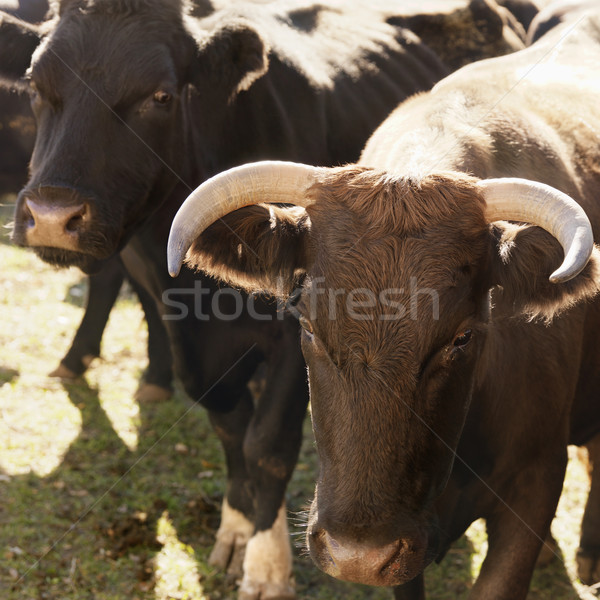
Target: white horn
(513, 199)
(255, 183)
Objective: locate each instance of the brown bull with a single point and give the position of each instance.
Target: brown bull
(450, 360)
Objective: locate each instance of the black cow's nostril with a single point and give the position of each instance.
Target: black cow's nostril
(73, 223)
(28, 216)
(76, 221)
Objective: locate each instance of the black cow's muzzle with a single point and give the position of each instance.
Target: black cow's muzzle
(51, 217)
(60, 224)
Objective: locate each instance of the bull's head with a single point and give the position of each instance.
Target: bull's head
(395, 277)
(109, 84)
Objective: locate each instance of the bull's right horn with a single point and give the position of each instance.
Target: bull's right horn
(271, 182)
(514, 199)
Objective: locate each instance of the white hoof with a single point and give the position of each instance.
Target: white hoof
(268, 564)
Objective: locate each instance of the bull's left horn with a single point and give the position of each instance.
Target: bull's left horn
(255, 183)
(513, 199)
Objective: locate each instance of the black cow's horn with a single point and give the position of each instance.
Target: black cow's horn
(254, 183)
(513, 199)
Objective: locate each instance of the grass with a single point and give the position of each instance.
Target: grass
(102, 498)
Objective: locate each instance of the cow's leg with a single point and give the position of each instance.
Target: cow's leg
(517, 528)
(588, 554)
(261, 451)
(413, 590)
(548, 552)
(237, 512)
(104, 288)
(157, 384)
(271, 450)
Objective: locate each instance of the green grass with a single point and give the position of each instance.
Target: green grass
(103, 498)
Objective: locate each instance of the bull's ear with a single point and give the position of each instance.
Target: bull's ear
(258, 248)
(230, 60)
(18, 40)
(523, 258)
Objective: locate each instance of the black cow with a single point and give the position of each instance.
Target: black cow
(136, 101)
(453, 354)
(17, 138)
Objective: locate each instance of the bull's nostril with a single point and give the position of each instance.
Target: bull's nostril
(320, 541)
(392, 564)
(316, 534)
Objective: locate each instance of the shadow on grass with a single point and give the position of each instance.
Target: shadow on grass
(89, 529)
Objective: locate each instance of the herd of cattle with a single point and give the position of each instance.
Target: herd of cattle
(420, 195)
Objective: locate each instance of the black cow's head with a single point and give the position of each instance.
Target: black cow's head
(395, 274)
(109, 80)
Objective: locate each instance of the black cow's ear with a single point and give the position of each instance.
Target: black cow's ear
(257, 248)
(523, 258)
(230, 60)
(18, 41)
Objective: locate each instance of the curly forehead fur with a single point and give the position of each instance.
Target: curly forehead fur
(401, 204)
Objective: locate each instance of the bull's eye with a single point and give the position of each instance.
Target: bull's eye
(462, 339)
(162, 98)
(306, 325)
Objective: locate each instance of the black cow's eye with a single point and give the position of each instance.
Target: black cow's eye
(306, 325)
(162, 98)
(462, 339)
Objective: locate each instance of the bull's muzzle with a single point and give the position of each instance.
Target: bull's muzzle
(363, 562)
